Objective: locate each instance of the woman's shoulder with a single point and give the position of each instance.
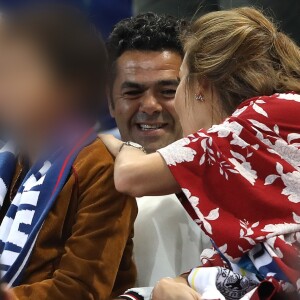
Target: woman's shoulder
(289, 96)
(274, 108)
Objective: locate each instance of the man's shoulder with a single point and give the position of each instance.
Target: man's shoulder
(94, 165)
(93, 170)
(95, 155)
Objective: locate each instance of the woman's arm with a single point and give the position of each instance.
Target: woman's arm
(139, 174)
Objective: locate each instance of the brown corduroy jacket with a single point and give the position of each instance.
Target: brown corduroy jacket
(84, 249)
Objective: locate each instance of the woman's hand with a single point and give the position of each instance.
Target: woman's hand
(113, 145)
(174, 289)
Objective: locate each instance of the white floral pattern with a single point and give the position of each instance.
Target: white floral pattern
(182, 154)
(290, 180)
(244, 168)
(246, 231)
(212, 216)
(242, 179)
(289, 96)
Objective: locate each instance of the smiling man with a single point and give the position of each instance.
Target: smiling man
(145, 55)
(146, 62)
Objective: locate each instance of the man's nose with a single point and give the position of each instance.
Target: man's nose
(150, 105)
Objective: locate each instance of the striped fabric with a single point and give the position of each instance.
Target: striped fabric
(32, 203)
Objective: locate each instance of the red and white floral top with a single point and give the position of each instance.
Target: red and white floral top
(242, 179)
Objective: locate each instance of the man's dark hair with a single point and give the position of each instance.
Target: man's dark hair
(146, 32)
(70, 43)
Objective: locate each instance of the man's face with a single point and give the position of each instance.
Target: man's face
(143, 98)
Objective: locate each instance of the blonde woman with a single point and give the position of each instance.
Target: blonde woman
(239, 166)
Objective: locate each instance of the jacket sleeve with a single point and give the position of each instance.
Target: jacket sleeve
(100, 235)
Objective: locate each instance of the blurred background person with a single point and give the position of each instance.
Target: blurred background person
(145, 56)
(104, 14)
(65, 232)
(238, 103)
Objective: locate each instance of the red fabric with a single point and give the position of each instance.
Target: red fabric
(242, 179)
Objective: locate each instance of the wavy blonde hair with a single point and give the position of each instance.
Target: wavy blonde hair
(243, 55)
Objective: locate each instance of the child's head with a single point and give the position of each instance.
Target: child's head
(52, 69)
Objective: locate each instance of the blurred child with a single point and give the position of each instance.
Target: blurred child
(63, 234)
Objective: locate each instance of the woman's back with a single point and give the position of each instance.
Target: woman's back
(243, 171)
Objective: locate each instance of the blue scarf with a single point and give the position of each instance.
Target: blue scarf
(32, 203)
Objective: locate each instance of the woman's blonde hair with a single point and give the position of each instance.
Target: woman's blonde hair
(243, 55)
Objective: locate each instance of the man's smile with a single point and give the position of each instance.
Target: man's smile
(150, 126)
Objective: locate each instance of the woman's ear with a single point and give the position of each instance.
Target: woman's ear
(204, 86)
(199, 91)
(207, 90)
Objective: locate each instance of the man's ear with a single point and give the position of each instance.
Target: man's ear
(110, 102)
